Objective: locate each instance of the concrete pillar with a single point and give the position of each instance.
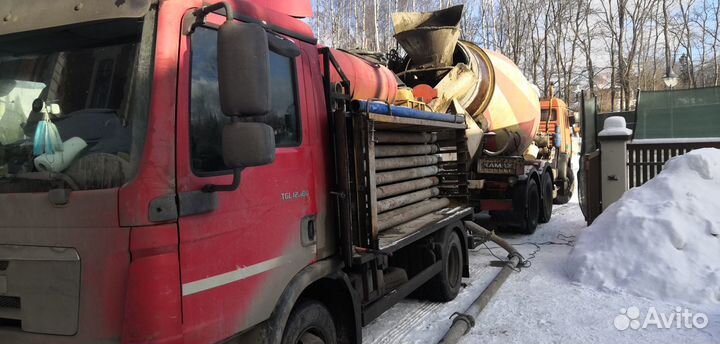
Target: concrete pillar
(613, 158)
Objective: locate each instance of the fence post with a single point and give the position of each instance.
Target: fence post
(613, 159)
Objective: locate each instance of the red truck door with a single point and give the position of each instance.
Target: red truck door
(237, 259)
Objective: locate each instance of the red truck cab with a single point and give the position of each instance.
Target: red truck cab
(130, 252)
(127, 244)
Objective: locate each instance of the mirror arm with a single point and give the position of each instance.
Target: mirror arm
(203, 11)
(198, 16)
(209, 188)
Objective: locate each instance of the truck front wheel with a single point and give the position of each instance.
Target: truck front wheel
(565, 194)
(310, 323)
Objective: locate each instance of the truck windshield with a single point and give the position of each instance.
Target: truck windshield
(78, 82)
(547, 115)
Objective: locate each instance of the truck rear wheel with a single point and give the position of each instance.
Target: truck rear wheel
(310, 323)
(445, 286)
(526, 202)
(546, 189)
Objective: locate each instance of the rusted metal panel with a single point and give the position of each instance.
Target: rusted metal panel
(403, 200)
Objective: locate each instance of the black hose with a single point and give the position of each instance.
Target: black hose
(463, 322)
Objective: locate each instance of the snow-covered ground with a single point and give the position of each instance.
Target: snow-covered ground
(540, 304)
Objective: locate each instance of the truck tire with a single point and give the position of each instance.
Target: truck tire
(310, 323)
(526, 201)
(564, 195)
(445, 286)
(546, 204)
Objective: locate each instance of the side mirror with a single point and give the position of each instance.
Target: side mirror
(571, 119)
(243, 61)
(244, 144)
(243, 69)
(248, 144)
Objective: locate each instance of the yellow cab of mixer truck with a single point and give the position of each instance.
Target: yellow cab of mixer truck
(555, 131)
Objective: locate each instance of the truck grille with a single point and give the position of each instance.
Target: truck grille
(9, 302)
(39, 289)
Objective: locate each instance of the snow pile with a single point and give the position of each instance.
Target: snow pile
(660, 240)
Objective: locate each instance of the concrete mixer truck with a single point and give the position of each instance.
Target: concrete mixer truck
(233, 181)
(516, 171)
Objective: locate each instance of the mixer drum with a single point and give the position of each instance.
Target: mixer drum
(491, 88)
(505, 102)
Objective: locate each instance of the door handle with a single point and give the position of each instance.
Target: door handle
(308, 232)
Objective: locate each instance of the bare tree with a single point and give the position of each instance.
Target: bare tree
(569, 43)
(686, 42)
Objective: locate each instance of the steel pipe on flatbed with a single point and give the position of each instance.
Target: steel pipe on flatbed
(382, 178)
(412, 161)
(384, 151)
(400, 111)
(410, 212)
(404, 137)
(405, 187)
(463, 322)
(403, 200)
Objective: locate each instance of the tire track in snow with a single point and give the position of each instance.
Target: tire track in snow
(414, 317)
(408, 323)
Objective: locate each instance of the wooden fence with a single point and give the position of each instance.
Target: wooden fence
(647, 157)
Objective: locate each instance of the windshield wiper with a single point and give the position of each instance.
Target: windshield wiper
(46, 176)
